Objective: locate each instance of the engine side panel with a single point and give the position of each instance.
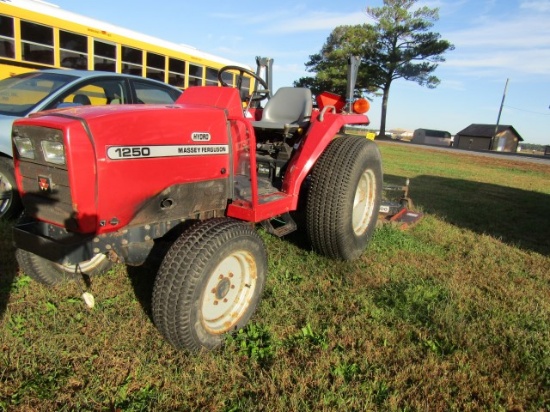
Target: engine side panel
(145, 156)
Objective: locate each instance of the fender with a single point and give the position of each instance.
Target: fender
(322, 131)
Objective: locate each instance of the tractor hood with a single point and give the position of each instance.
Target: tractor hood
(128, 153)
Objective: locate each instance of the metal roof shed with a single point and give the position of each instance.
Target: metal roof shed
(482, 137)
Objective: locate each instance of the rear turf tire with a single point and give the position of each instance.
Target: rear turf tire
(343, 199)
(209, 284)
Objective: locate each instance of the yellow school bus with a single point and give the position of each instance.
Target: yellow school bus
(37, 35)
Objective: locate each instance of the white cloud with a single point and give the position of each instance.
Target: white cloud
(452, 85)
(526, 62)
(530, 31)
(445, 8)
(291, 68)
(518, 43)
(291, 21)
(254, 18)
(316, 21)
(537, 5)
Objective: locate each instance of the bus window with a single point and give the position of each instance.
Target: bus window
(211, 77)
(155, 66)
(132, 61)
(37, 42)
(73, 49)
(176, 72)
(245, 85)
(7, 44)
(228, 78)
(104, 56)
(195, 75)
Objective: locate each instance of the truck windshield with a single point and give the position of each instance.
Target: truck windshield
(20, 94)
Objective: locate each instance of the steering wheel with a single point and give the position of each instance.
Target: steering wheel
(264, 93)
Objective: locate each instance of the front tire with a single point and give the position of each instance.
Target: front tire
(10, 202)
(344, 198)
(51, 274)
(209, 283)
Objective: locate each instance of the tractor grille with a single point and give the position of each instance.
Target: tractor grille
(45, 187)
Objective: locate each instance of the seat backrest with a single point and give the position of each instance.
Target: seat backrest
(289, 105)
(81, 99)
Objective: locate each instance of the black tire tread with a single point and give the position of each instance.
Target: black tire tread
(39, 269)
(183, 268)
(49, 273)
(328, 213)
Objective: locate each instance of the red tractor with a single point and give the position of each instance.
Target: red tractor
(101, 184)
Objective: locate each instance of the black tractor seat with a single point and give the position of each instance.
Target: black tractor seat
(289, 109)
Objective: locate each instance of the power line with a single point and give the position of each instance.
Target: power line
(528, 111)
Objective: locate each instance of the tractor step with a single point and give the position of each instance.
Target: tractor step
(281, 225)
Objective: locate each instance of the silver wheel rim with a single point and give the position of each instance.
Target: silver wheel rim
(86, 266)
(364, 202)
(228, 292)
(6, 194)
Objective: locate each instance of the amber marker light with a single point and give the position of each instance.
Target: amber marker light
(361, 106)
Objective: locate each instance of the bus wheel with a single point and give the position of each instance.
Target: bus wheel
(209, 283)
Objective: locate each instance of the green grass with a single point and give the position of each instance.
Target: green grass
(451, 315)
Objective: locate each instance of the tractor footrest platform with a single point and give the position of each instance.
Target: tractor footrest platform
(280, 226)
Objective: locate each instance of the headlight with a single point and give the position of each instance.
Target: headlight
(24, 147)
(54, 152)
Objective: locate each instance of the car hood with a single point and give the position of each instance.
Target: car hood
(6, 123)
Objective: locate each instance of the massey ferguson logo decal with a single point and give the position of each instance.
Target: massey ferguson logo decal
(44, 184)
(144, 152)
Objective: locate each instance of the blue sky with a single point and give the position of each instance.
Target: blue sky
(494, 40)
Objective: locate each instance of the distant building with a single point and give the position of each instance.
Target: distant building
(432, 137)
(400, 134)
(482, 137)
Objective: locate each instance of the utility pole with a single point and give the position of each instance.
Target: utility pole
(494, 138)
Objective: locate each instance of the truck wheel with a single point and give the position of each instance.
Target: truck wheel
(209, 283)
(50, 273)
(343, 199)
(10, 203)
